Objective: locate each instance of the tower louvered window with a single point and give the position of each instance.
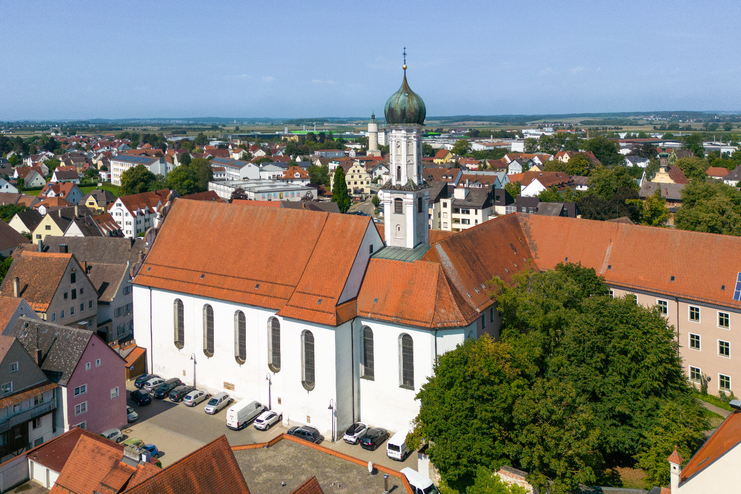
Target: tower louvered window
(406, 361)
(240, 337)
(179, 327)
(208, 330)
(368, 363)
(274, 344)
(398, 206)
(307, 357)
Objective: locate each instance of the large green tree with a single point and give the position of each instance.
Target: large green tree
(578, 382)
(136, 179)
(191, 178)
(461, 147)
(606, 181)
(7, 211)
(693, 142)
(605, 150)
(340, 195)
(710, 207)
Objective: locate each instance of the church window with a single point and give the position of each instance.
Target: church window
(179, 326)
(398, 173)
(406, 361)
(274, 344)
(208, 330)
(368, 363)
(398, 206)
(307, 360)
(398, 231)
(419, 205)
(240, 337)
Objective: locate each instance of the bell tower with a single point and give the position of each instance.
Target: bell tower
(406, 195)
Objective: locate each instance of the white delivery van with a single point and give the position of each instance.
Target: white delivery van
(420, 484)
(241, 413)
(396, 447)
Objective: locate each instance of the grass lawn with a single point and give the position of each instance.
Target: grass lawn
(113, 189)
(713, 400)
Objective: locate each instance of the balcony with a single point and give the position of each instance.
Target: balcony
(28, 415)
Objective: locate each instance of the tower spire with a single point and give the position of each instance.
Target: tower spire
(405, 59)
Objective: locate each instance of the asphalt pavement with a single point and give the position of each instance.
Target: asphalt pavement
(178, 430)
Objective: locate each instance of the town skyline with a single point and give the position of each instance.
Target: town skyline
(90, 60)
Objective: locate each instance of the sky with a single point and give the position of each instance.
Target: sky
(74, 59)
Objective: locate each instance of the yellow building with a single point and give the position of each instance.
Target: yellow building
(443, 156)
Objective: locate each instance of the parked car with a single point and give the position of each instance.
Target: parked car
(306, 433)
(267, 419)
(141, 380)
(396, 447)
(134, 442)
(153, 383)
(179, 393)
(373, 438)
(355, 432)
(217, 402)
(418, 482)
(240, 414)
(151, 449)
(113, 435)
(195, 397)
(141, 397)
(163, 390)
(131, 415)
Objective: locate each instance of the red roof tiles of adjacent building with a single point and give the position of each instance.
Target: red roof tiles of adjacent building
(39, 276)
(725, 438)
(151, 200)
(283, 259)
(717, 171)
(677, 175)
(311, 486)
(211, 468)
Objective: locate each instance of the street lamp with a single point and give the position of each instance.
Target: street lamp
(193, 358)
(331, 407)
(270, 385)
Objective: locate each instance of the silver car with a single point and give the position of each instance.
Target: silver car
(113, 435)
(267, 419)
(195, 397)
(217, 402)
(131, 415)
(355, 432)
(153, 383)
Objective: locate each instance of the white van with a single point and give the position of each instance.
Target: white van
(241, 413)
(420, 484)
(396, 447)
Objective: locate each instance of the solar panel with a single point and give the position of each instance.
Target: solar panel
(737, 291)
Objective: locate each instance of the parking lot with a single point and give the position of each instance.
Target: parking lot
(178, 430)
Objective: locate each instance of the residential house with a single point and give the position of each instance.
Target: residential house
(443, 156)
(538, 159)
(235, 170)
(72, 221)
(713, 468)
(122, 162)
(32, 177)
(296, 175)
(68, 191)
(65, 176)
(6, 187)
(468, 207)
(533, 183)
(639, 161)
(377, 170)
(26, 221)
(272, 170)
(90, 374)
(733, 177)
(10, 239)
(671, 193)
(533, 205)
(518, 165)
(55, 285)
(136, 213)
(11, 308)
(27, 400)
(717, 172)
(356, 177)
(329, 153)
(98, 200)
(107, 263)
(49, 204)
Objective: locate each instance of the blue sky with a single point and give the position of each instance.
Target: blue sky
(283, 59)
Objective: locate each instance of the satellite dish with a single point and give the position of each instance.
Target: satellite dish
(370, 467)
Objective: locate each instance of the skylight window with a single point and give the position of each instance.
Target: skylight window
(737, 291)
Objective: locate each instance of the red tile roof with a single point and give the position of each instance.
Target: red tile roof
(725, 438)
(39, 275)
(311, 486)
(676, 174)
(717, 171)
(211, 468)
(675, 457)
(151, 200)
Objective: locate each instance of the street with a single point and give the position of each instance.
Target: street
(178, 430)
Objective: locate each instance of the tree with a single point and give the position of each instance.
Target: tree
(487, 482)
(319, 175)
(52, 164)
(200, 140)
(7, 211)
(531, 145)
(136, 179)
(376, 201)
(14, 160)
(693, 142)
(340, 194)
(693, 168)
(185, 158)
(710, 207)
(606, 182)
(513, 188)
(605, 150)
(427, 150)
(648, 150)
(192, 178)
(91, 174)
(238, 193)
(461, 147)
(654, 210)
(5, 263)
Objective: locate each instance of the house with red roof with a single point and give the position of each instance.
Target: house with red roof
(135, 214)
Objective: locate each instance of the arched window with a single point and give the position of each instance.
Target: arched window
(307, 360)
(398, 173)
(274, 344)
(179, 327)
(368, 364)
(208, 330)
(406, 361)
(240, 337)
(398, 231)
(398, 206)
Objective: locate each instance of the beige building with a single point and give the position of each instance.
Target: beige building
(358, 180)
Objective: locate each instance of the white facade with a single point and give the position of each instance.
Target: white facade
(132, 224)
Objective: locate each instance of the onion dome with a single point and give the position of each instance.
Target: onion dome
(405, 106)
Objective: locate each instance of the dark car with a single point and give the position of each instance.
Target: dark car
(373, 438)
(167, 386)
(179, 393)
(306, 433)
(143, 379)
(140, 397)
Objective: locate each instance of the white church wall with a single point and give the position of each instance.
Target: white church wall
(344, 356)
(357, 272)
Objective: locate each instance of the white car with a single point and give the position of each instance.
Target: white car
(355, 432)
(217, 402)
(153, 383)
(267, 419)
(131, 415)
(113, 435)
(195, 397)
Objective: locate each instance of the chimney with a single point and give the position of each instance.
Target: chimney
(38, 356)
(16, 287)
(675, 462)
(82, 325)
(60, 212)
(41, 246)
(77, 211)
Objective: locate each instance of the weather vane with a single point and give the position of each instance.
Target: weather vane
(405, 58)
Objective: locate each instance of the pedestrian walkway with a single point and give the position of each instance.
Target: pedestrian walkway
(720, 411)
